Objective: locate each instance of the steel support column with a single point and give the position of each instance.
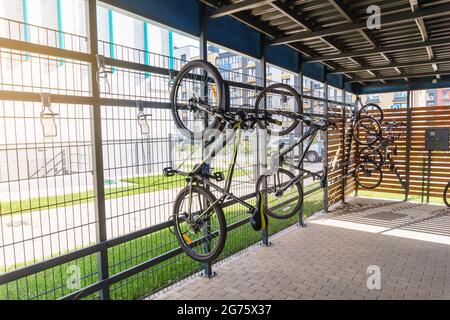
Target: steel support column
(354, 115)
(203, 44)
(263, 75)
(344, 151)
(325, 144)
(408, 142)
(301, 221)
(97, 152)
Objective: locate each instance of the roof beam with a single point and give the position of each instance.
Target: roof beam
(267, 30)
(387, 20)
(339, 6)
(393, 65)
(238, 7)
(309, 25)
(292, 14)
(402, 47)
(410, 75)
(415, 6)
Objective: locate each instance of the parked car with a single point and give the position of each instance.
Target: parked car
(314, 153)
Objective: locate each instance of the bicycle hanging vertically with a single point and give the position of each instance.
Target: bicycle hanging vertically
(199, 106)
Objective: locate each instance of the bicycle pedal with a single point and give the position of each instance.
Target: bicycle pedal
(169, 172)
(218, 176)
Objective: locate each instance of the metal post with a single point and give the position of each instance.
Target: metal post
(263, 75)
(355, 114)
(325, 145)
(408, 143)
(97, 152)
(203, 42)
(429, 175)
(344, 151)
(301, 221)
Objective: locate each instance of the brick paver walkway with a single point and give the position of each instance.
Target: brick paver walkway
(329, 259)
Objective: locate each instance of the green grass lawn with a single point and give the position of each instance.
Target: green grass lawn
(395, 196)
(52, 283)
(138, 186)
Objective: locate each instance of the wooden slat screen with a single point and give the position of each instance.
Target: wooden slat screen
(421, 119)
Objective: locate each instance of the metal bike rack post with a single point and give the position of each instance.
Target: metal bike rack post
(97, 152)
(408, 143)
(203, 42)
(355, 114)
(265, 232)
(301, 221)
(344, 164)
(325, 144)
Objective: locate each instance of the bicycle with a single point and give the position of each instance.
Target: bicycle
(447, 195)
(277, 184)
(198, 217)
(371, 159)
(199, 95)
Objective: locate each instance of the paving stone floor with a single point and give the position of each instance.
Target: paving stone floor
(336, 254)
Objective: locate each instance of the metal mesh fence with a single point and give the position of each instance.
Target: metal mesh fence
(48, 217)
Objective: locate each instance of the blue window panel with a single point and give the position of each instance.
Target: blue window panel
(314, 70)
(284, 57)
(182, 15)
(232, 34)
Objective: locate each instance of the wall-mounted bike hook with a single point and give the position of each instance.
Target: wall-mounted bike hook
(47, 117)
(142, 118)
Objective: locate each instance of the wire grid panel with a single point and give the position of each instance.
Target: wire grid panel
(46, 187)
(20, 31)
(25, 72)
(141, 196)
(138, 56)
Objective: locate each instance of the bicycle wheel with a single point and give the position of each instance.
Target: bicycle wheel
(367, 130)
(368, 174)
(447, 195)
(372, 110)
(369, 153)
(200, 225)
(198, 91)
(280, 205)
(279, 96)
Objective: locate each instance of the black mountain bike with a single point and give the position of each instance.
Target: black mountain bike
(199, 220)
(277, 187)
(200, 105)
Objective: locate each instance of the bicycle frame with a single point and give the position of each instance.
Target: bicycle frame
(311, 133)
(196, 176)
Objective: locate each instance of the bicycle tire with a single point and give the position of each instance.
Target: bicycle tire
(221, 237)
(361, 183)
(299, 196)
(447, 195)
(365, 109)
(220, 91)
(376, 134)
(281, 87)
(360, 158)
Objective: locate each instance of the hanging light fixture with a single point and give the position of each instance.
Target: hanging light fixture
(48, 117)
(142, 118)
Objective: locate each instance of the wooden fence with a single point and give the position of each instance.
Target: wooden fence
(411, 160)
